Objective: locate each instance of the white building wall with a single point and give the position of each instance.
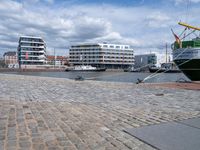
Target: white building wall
(101, 54)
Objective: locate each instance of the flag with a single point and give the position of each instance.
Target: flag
(178, 40)
(26, 56)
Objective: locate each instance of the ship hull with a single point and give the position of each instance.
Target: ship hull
(188, 61)
(190, 67)
(161, 70)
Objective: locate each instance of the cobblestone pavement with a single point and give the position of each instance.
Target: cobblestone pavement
(49, 113)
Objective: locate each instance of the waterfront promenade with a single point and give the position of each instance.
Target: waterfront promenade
(50, 113)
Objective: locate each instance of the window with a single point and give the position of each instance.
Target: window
(105, 45)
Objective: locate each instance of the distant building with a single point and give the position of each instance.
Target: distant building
(2, 62)
(31, 51)
(142, 62)
(10, 58)
(112, 56)
(57, 60)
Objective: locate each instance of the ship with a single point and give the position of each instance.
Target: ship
(131, 69)
(85, 68)
(169, 67)
(186, 53)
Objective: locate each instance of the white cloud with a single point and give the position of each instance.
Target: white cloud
(49, 1)
(142, 27)
(186, 1)
(38, 1)
(10, 6)
(158, 19)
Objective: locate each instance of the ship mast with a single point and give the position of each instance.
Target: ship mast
(166, 52)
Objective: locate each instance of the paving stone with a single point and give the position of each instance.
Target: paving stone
(54, 148)
(37, 140)
(24, 148)
(61, 113)
(2, 127)
(1, 145)
(25, 144)
(38, 146)
(2, 137)
(11, 143)
(129, 144)
(69, 148)
(10, 148)
(51, 143)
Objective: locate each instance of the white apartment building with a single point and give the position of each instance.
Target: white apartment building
(31, 51)
(112, 56)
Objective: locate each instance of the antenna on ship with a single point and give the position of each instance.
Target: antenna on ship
(54, 52)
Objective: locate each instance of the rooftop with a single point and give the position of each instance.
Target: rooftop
(27, 36)
(10, 53)
(103, 45)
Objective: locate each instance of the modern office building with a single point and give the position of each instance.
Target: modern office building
(142, 62)
(31, 51)
(111, 56)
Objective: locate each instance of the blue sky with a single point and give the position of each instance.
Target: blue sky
(143, 24)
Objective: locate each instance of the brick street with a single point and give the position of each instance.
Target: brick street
(50, 113)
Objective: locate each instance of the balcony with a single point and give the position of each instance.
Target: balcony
(34, 51)
(28, 46)
(36, 42)
(34, 56)
(23, 60)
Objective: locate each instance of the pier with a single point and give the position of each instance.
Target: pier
(54, 113)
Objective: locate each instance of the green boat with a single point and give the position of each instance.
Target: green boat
(186, 53)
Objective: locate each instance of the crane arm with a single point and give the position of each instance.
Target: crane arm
(188, 26)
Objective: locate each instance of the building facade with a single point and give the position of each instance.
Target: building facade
(10, 57)
(31, 51)
(111, 56)
(57, 60)
(142, 62)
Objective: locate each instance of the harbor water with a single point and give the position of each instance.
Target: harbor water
(111, 76)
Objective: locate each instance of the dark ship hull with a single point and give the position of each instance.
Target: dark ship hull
(191, 68)
(160, 70)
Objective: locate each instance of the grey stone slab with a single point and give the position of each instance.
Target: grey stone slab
(168, 136)
(194, 122)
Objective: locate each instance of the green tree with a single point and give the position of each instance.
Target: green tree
(2, 64)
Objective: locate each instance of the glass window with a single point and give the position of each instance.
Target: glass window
(126, 47)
